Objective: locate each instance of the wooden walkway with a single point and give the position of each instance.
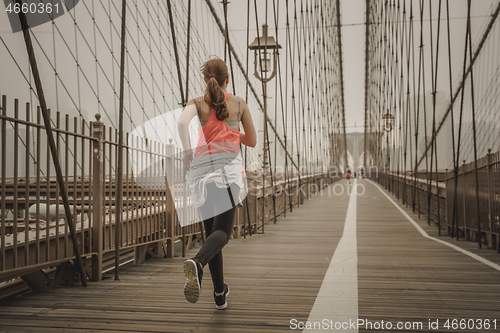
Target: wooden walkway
(403, 276)
(276, 277)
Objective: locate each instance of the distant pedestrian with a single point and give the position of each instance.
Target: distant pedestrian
(348, 176)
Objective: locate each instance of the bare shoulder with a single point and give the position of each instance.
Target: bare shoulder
(194, 100)
(236, 102)
(242, 101)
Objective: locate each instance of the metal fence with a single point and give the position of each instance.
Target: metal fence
(34, 233)
(466, 224)
(459, 217)
(423, 197)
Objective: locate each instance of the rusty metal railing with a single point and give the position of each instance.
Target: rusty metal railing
(34, 233)
(465, 226)
(415, 193)
(466, 208)
(31, 205)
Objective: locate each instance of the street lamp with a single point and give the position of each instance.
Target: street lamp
(261, 46)
(389, 118)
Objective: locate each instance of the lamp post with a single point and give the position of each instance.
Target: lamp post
(389, 118)
(261, 46)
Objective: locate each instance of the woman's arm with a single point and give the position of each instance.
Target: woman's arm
(183, 127)
(249, 138)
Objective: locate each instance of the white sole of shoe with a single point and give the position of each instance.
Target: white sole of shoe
(192, 286)
(223, 306)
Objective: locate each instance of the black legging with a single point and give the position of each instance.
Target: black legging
(218, 217)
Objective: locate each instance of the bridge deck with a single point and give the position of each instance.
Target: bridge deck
(398, 276)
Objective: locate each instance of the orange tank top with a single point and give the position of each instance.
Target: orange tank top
(217, 137)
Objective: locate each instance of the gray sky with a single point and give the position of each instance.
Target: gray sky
(353, 39)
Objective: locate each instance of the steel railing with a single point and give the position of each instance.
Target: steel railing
(457, 214)
(34, 233)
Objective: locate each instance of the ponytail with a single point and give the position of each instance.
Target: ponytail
(215, 72)
(217, 98)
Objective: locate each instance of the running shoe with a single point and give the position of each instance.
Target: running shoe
(220, 301)
(194, 274)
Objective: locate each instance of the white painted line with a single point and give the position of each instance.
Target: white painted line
(459, 249)
(337, 299)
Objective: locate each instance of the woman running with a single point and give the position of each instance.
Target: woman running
(215, 173)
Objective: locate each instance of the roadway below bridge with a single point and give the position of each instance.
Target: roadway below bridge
(339, 259)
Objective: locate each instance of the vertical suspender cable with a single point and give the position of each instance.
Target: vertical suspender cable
(183, 101)
(392, 40)
(383, 91)
(411, 87)
(421, 73)
(188, 48)
(342, 101)
(424, 100)
(455, 161)
(224, 3)
(285, 119)
(474, 129)
(401, 30)
(467, 32)
(299, 134)
(265, 116)
(52, 145)
(415, 111)
(434, 125)
(307, 84)
(295, 122)
(174, 42)
(266, 141)
(226, 45)
(301, 92)
(246, 100)
(367, 76)
(433, 87)
(434, 92)
(285, 175)
(402, 102)
(119, 185)
(407, 117)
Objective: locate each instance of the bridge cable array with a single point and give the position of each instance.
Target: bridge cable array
(395, 93)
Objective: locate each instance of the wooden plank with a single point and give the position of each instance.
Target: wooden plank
(403, 276)
(273, 278)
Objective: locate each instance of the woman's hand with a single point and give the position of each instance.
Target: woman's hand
(249, 138)
(183, 127)
(186, 159)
